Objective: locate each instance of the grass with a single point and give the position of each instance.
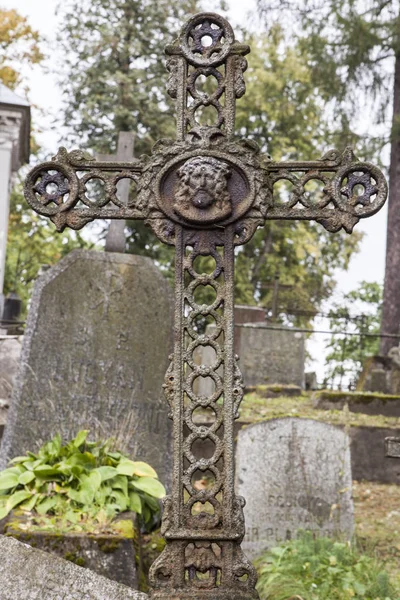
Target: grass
(254, 408)
(311, 568)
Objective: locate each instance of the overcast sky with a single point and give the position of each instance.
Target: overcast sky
(44, 92)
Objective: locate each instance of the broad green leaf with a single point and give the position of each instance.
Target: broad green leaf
(142, 469)
(95, 479)
(151, 486)
(3, 512)
(107, 472)
(8, 479)
(18, 459)
(120, 483)
(126, 467)
(30, 503)
(135, 504)
(46, 471)
(120, 499)
(83, 459)
(26, 477)
(17, 498)
(114, 455)
(80, 438)
(47, 504)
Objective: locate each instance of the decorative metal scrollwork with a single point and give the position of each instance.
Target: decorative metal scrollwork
(204, 193)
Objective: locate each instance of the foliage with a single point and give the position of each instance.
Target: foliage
(358, 312)
(311, 568)
(114, 73)
(282, 112)
(19, 44)
(32, 243)
(351, 46)
(354, 59)
(80, 477)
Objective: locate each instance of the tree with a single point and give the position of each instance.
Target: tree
(282, 113)
(358, 313)
(114, 72)
(355, 62)
(19, 44)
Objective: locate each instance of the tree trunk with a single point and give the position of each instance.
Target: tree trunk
(391, 296)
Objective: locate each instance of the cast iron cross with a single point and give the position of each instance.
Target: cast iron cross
(205, 193)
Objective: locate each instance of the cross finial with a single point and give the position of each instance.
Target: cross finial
(206, 52)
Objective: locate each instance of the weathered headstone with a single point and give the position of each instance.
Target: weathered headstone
(295, 475)
(249, 314)
(94, 357)
(30, 574)
(270, 356)
(10, 351)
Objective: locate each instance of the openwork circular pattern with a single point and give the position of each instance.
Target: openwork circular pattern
(207, 40)
(199, 433)
(51, 188)
(349, 179)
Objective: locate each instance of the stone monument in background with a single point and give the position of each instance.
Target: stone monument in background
(270, 356)
(94, 356)
(295, 475)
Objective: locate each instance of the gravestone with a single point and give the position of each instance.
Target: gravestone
(30, 574)
(295, 475)
(10, 351)
(94, 357)
(270, 356)
(249, 314)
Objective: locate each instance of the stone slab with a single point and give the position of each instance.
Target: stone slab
(94, 357)
(249, 314)
(270, 356)
(29, 574)
(111, 556)
(295, 475)
(358, 402)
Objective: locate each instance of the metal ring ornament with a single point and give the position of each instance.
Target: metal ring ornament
(359, 209)
(203, 519)
(113, 189)
(220, 51)
(43, 208)
(300, 191)
(211, 426)
(202, 464)
(92, 176)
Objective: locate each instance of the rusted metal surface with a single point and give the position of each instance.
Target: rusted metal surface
(205, 192)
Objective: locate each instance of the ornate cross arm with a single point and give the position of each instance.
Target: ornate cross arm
(351, 190)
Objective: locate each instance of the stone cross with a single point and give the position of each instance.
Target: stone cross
(115, 239)
(205, 193)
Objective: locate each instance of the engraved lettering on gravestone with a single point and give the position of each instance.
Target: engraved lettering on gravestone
(112, 285)
(203, 557)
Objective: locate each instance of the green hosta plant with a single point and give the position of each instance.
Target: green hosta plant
(311, 568)
(80, 477)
